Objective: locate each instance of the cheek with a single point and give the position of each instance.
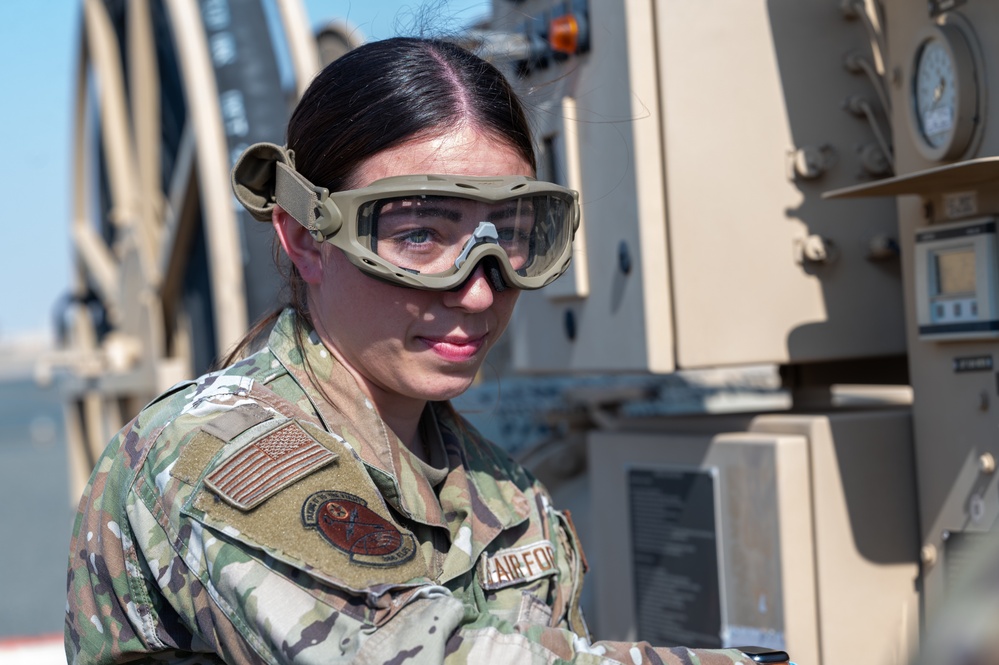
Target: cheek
(355, 305)
(503, 306)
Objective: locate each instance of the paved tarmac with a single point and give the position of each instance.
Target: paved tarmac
(35, 511)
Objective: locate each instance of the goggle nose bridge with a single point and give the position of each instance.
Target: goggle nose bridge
(485, 232)
(491, 269)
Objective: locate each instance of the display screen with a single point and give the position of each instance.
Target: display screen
(955, 271)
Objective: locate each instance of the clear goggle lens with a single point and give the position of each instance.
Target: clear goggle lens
(432, 235)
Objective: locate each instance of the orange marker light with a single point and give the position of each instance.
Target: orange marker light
(563, 34)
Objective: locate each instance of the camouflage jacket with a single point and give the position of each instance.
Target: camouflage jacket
(266, 514)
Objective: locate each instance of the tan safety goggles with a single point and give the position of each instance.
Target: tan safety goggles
(429, 231)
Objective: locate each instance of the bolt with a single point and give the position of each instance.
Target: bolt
(976, 509)
(882, 248)
(810, 161)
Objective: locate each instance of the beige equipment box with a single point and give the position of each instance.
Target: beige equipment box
(804, 183)
(794, 532)
(944, 107)
(701, 136)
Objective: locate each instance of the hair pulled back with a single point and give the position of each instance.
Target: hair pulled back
(381, 95)
(385, 93)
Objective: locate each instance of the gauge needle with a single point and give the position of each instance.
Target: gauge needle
(939, 90)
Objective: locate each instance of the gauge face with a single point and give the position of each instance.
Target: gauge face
(936, 94)
(944, 101)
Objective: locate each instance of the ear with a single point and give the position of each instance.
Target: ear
(299, 245)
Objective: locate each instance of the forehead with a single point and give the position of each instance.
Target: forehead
(462, 152)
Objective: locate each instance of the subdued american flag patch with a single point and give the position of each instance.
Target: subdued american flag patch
(267, 465)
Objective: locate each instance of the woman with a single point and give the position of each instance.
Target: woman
(320, 501)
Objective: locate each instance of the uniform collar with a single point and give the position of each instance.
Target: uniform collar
(345, 410)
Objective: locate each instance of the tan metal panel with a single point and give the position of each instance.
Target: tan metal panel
(558, 130)
(301, 43)
(144, 93)
(817, 507)
(705, 144)
(624, 321)
(741, 93)
(225, 264)
(866, 531)
(103, 49)
(765, 547)
(955, 417)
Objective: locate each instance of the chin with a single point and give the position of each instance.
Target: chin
(444, 388)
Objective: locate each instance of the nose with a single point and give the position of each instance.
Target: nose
(475, 295)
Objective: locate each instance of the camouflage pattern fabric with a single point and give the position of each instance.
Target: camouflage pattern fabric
(266, 514)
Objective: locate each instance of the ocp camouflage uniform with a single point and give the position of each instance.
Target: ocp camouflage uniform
(265, 513)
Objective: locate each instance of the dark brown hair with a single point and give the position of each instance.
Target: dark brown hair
(381, 95)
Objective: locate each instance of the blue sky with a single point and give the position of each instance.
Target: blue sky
(38, 52)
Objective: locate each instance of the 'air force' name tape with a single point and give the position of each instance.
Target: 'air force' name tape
(517, 565)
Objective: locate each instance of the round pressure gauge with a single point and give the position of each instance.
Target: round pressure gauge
(944, 92)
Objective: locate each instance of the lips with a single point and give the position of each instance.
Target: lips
(455, 348)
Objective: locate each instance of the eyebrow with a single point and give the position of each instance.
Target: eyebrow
(512, 209)
(426, 207)
(422, 211)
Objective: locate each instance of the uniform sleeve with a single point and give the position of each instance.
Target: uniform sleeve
(100, 628)
(538, 644)
(112, 613)
(285, 615)
(162, 571)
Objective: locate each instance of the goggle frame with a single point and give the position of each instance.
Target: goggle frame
(336, 222)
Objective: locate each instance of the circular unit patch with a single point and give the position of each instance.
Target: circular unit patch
(366, 537)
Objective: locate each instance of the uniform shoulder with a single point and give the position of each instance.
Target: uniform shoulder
(189, 405)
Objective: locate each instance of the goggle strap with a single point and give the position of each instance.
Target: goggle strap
(253, 178)
(298, 197)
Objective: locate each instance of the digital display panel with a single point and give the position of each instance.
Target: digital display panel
(955, 271)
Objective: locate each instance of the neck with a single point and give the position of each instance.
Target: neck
(403, 418)
(401, 413)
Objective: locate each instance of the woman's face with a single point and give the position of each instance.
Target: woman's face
(407, 343)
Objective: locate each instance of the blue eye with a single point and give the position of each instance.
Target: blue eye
(418, 236)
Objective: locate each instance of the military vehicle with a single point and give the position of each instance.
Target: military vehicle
(800, 185)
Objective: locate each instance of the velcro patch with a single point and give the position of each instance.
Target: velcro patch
(267, 465)
(517, 565)
(347, 523)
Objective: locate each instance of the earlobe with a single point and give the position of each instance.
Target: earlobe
(299, 245)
